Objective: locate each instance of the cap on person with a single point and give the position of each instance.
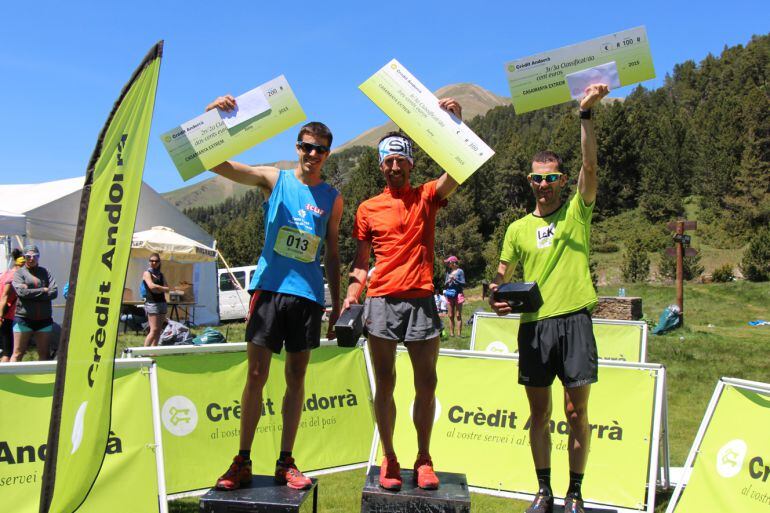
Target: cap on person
(30, 249)
(450, 259)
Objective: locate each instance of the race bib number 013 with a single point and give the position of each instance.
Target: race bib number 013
(296, 244)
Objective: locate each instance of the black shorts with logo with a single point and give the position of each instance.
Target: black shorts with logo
(561, 346)
(277, 319)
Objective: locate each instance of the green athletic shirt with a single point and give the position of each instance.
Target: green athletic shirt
(553, 251)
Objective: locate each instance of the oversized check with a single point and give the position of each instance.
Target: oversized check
(539, 81)
(444, 137)
(205, 141)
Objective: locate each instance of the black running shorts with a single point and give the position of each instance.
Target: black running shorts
(277, 319)
(561, 346)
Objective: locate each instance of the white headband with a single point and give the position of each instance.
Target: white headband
(396, 145)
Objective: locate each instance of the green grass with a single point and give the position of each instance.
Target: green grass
(715, 341)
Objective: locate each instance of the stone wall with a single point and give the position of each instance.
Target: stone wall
(622, 308)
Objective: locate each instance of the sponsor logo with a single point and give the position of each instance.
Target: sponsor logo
(497, 347)
(302, 213)
(314, 209)
(179, 415)
(730, 458)
(545, 236)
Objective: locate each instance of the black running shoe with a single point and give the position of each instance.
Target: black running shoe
(541, 504)
(573, 505)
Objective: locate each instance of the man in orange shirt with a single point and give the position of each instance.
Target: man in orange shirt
(399, 226)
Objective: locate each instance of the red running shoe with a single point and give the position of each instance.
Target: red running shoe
(237, 475)
(423, 473)
(390, 473)
(286, 472)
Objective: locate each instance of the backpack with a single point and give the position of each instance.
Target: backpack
(209, 336)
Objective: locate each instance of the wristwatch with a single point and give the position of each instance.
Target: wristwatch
(585, 114)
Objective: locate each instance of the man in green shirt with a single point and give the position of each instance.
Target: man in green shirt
(552, 244)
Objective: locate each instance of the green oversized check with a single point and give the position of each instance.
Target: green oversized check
(444, 137)
(205, 141)
(540, 80)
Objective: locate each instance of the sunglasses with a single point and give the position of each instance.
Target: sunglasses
(29, 257)
(309, 147)
(154, 261)
(549, 178)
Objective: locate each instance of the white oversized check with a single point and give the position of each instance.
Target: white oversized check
(449, 141)
(539, 80)
(206, 141)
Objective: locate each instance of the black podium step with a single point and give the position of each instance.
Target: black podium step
(263, 495)
(451, 497)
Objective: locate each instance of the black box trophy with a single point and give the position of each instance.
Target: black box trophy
(262, 495)
(350, 326)
(452, 495)
(521, 297)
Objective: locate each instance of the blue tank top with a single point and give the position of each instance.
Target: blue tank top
(296, 217)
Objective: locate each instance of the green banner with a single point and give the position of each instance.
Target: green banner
(732, 467)
(80, 416)
(127, 482)
(200, 398)
(482, 423)
(614, 341)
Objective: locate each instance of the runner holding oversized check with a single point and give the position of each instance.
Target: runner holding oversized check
(217, 135)
(287, 302)
(556, 76)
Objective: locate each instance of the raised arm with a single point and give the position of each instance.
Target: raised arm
(264, 177)
(358, 273)
(588, 181)
(332, 263)
(446, 185)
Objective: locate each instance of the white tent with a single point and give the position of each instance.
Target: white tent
(49, 212)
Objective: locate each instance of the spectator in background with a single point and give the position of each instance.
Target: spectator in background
(36, 289)
(454, 283)
(153, 289)
(8, 306)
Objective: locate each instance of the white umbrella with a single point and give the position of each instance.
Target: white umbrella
(170, 246)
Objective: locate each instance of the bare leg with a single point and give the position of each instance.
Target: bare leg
(576, 410)
(540, 406)
(251, 400)
(43, 341)
(459, 309)
(296, 365)
(424, 355)
(20, 342)
(156, 328)
(383, 354)
(450, 306)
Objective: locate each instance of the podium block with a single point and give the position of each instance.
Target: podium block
(263, 495)
(452, 495)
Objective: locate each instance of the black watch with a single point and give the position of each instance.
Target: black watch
(585, 114)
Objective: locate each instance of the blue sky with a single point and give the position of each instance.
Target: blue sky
(63, 64)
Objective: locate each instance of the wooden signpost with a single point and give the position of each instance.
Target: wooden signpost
(680, 250)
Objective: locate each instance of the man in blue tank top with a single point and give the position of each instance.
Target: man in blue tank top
(301, 213)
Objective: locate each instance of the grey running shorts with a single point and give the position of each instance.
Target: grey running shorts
(403, 320)
(561, 346)
(277, 319)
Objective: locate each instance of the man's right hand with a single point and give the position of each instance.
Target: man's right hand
(225, 103)
(500, 307)
(349, 301)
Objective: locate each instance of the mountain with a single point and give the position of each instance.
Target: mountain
(475, 101)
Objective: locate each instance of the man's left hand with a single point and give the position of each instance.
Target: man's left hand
(594, 94)
(452, 106)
